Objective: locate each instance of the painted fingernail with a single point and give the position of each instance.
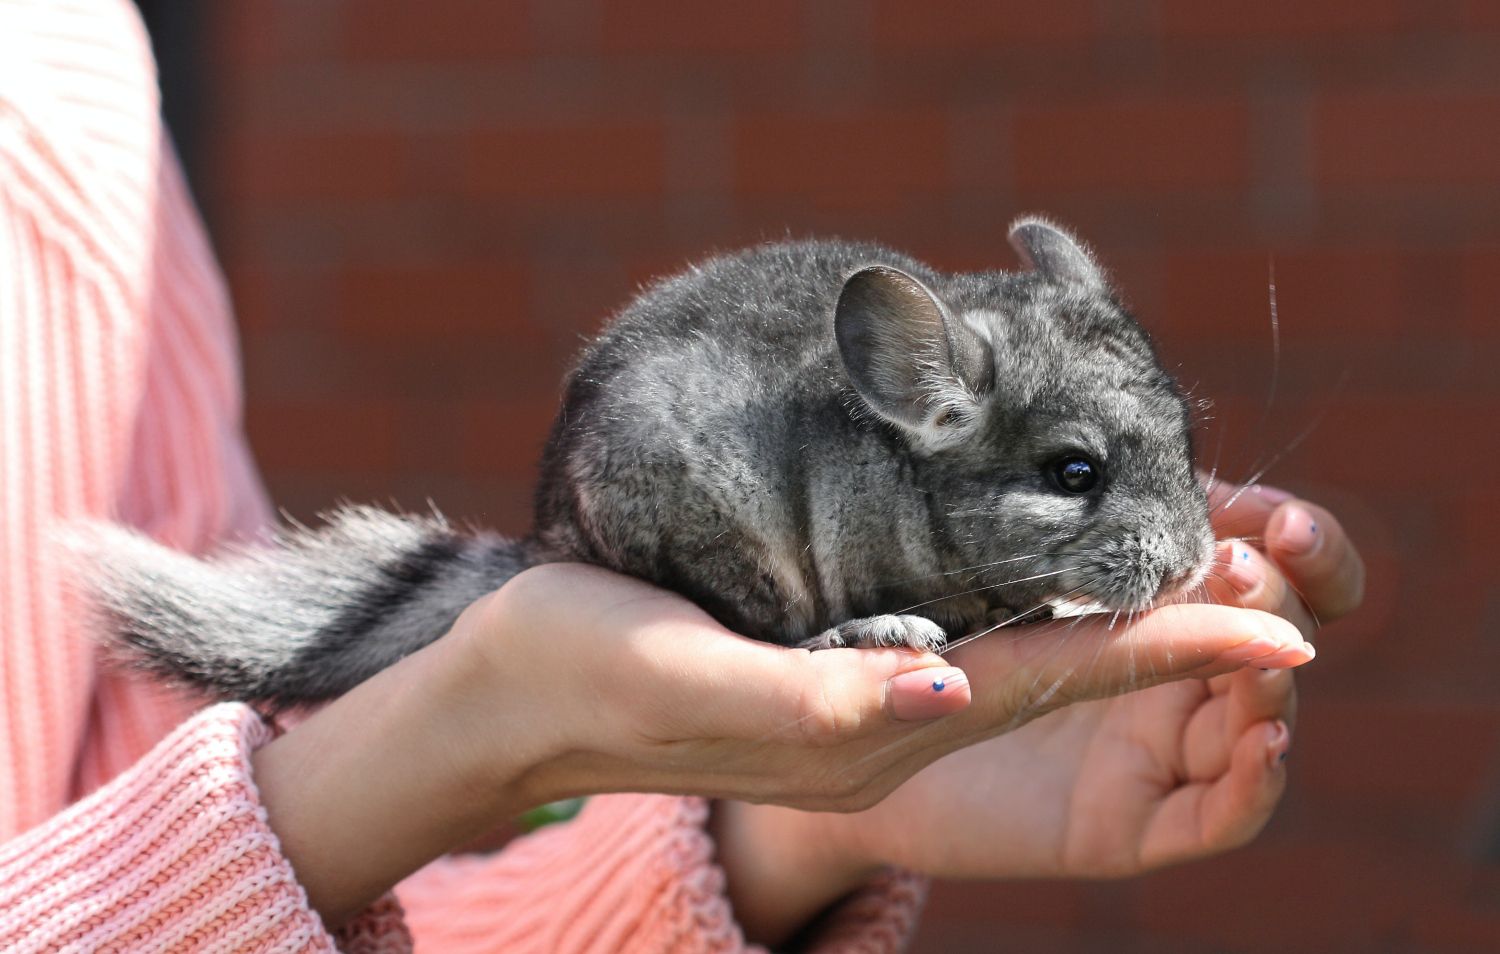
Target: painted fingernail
(925, 693)
(1237, 568)
(1272, 495)
(1251, 649)
(1299, 534)
(1279, 745)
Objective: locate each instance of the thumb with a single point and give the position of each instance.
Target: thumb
(1049, 665)
(766, 692)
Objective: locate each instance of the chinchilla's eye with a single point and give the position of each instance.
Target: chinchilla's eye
(1075, 474)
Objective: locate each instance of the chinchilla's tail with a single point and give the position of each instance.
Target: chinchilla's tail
(302, 619)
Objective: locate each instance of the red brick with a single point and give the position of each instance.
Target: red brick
(1279, 18)
(1382, 752)
(1037, 903)
(1313, 896)
(245, 34)
(573, 160)
(960, 24)
(447, 30)
(875, 155)
(505, 438)
(345, 165)
(451, 300)
(705, 29)
(1449, 926)
(343, 436)
(1136, 145)
(1389, 441)
(1319, 292)
(269, 299)
(253, 296)
(1482, 14)
(1481, 292)
(1388, 138)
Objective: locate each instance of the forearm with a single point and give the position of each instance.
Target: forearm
(391, 776)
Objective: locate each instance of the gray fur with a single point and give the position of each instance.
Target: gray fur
(822, 443)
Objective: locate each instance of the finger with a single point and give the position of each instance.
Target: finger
(1209, 817)
(1047, 665)
(1252, 696)
(1239, 512)
(1312, 549)
(1261, 696)
(1243, 576)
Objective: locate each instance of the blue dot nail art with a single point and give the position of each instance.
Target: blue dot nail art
(938, 685)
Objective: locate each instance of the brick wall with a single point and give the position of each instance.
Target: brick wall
(421, 208)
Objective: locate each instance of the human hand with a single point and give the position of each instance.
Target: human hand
(1097, 789)
(572, 680)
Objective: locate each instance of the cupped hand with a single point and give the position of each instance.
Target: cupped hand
(1108, 787)
(647, 693)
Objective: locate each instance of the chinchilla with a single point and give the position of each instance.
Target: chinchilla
(822, 443)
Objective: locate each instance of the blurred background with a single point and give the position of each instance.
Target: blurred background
(423, 208)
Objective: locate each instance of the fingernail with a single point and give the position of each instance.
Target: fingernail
(1251, 649)
(1279, 746)
(1298, 534)
(1274, 496)
(1288, 658)
(925, 693)
(1237, 568)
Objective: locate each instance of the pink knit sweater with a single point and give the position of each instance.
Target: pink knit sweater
(127, 821)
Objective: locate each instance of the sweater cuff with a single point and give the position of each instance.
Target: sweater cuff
(173, 854)
(880, 917)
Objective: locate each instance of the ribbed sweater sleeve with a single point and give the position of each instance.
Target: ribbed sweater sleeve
(174, 854)
(119, 398)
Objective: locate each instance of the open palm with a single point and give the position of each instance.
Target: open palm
(1097, 789)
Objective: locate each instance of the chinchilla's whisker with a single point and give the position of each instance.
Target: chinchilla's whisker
(1275, 335)
(1292, 445)
(1213, 474)
(1130, 627)
(1033, 700)
(1006, 622)
(911, 738)
(776, 733)
(987, 586)
(1305, 603)
(963, 569)
(1265, 414)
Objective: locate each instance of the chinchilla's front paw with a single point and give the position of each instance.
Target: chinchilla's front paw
(916, 632)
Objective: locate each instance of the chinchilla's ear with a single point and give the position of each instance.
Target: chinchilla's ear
(911, 361)
(1054, 253)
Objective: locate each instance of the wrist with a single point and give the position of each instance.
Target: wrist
(783, 866)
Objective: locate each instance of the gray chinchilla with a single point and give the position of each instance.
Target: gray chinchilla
(822, 443)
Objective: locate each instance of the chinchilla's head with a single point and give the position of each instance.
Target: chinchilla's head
(1055, 451)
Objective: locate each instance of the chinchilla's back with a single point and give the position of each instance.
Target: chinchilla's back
(822, 443)
(707, 430)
